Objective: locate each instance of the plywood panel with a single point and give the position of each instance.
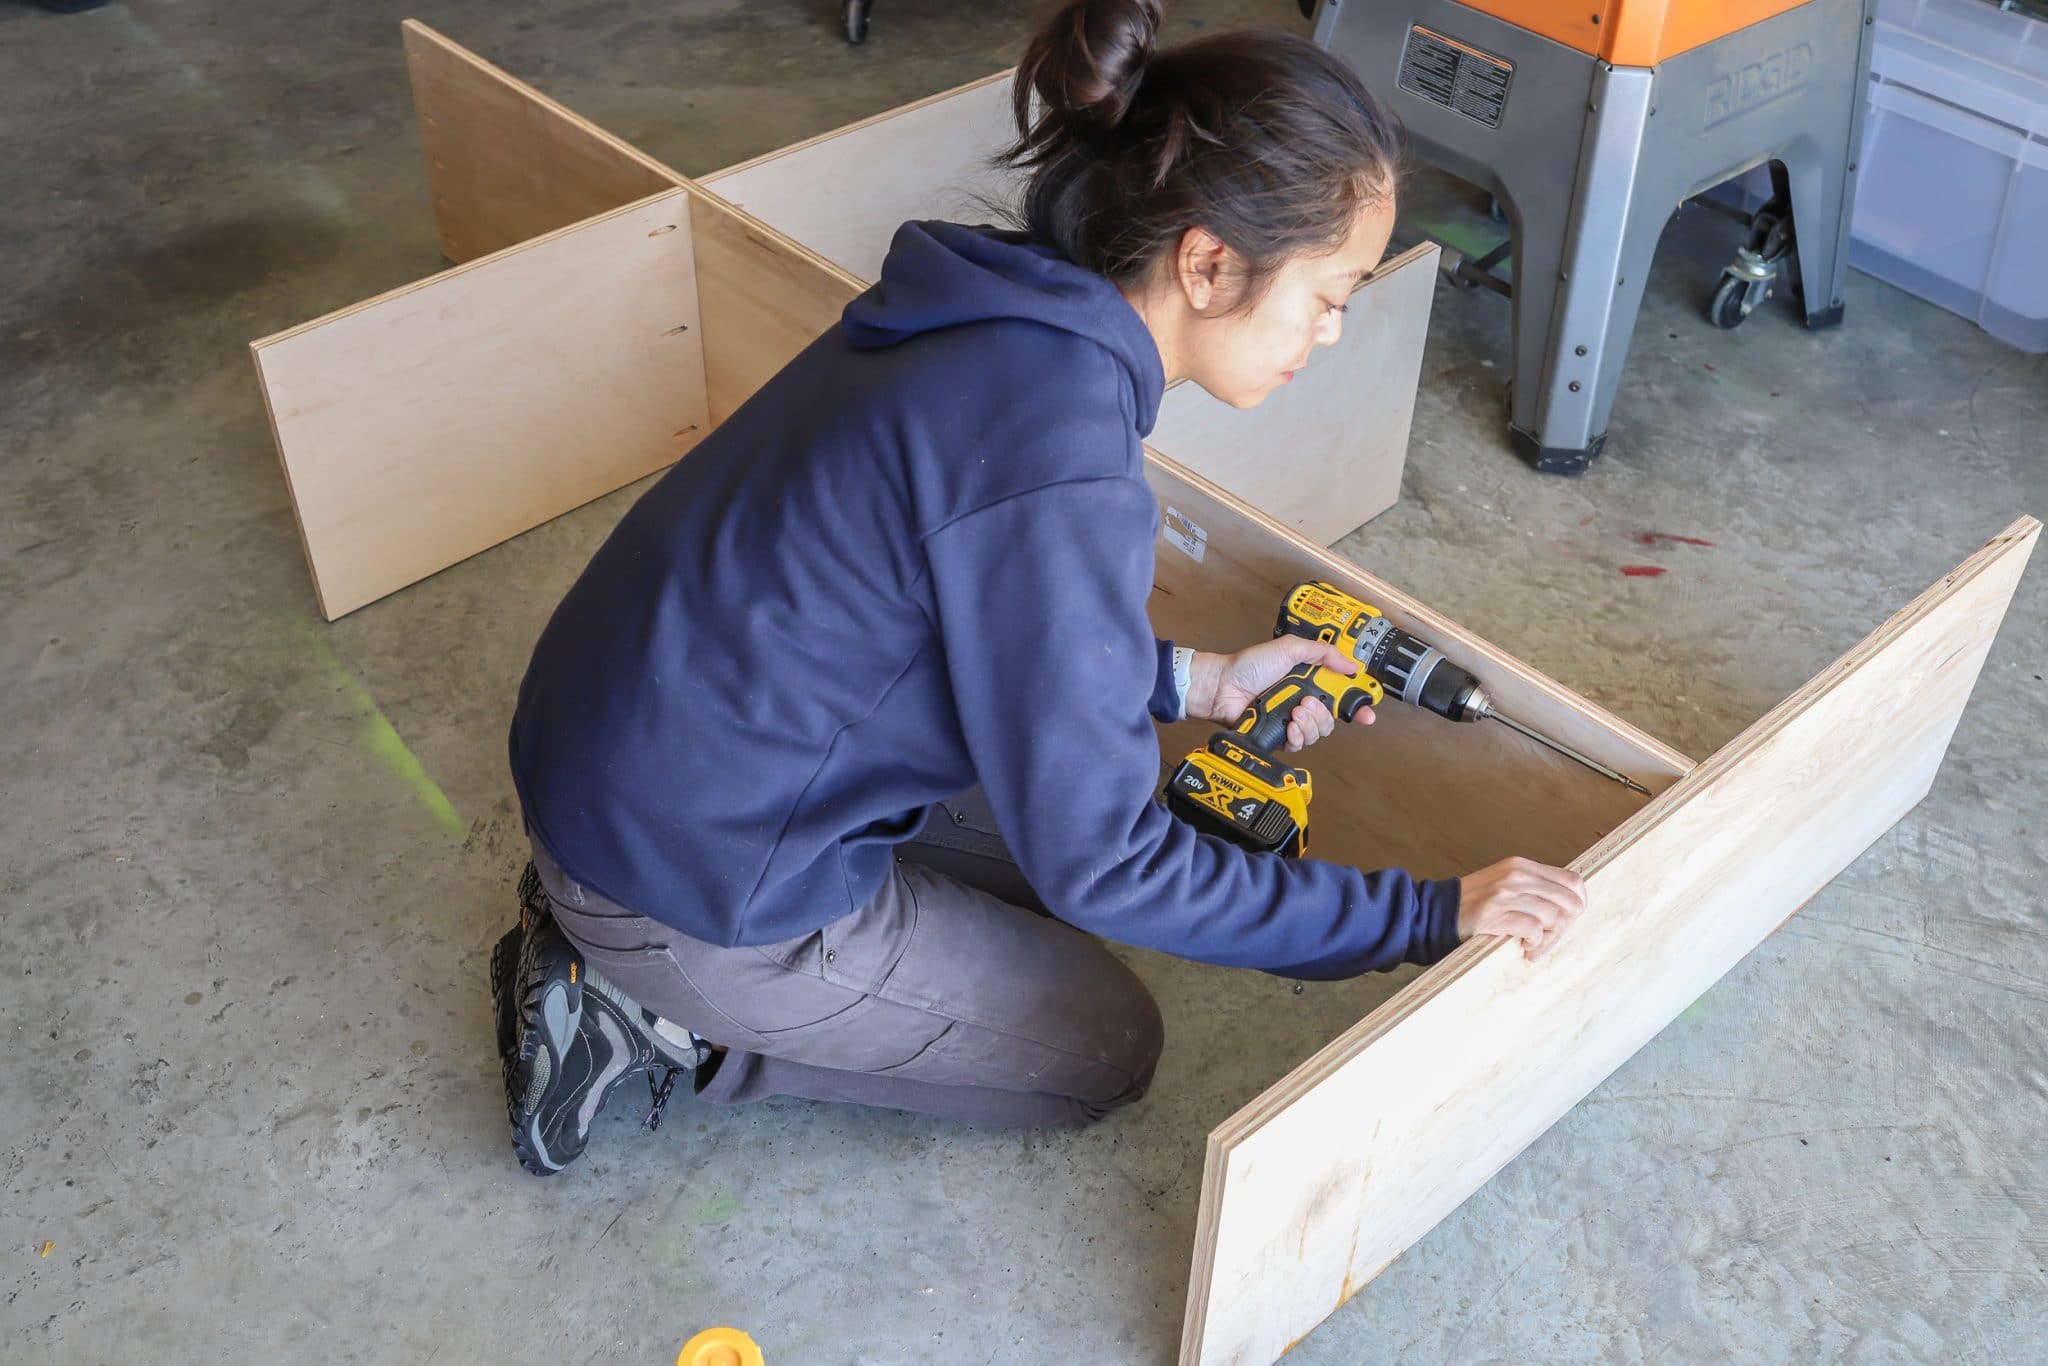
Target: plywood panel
(1310, 1191)
(1325, 453)
(1412, 790)
(421, 427)
(844, 194)
(506, 163)
(764, 298)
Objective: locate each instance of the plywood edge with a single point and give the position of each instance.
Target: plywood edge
(1421, 251)
(1661, 761)
(413, 28)
(291, 493)
(480, 263)
(2017, 538)
(1202, 1269)
(855, 126)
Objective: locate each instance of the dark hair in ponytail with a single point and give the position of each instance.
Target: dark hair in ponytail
(1261, 137)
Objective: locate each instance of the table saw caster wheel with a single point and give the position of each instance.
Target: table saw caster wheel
(71, 6)
(855, 13)
(1731, 302)
(1749, 280)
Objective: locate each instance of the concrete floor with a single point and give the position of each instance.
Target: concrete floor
(254, 863)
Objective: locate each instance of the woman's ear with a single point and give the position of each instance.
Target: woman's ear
(1200, 264)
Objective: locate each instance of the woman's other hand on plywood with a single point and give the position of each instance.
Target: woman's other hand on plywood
(1520, 898)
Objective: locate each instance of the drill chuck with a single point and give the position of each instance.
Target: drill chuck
(1417, 672)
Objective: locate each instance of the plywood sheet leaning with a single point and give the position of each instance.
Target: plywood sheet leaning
(1352, 407)
(504, 162)
(1311, 1190)
(435, 421)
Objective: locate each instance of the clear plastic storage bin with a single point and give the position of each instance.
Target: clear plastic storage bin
(1952, 200)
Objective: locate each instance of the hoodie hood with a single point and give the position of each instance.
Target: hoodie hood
(940, 275)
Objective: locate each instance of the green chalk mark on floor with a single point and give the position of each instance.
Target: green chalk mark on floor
(380, 738)
(719, 1208)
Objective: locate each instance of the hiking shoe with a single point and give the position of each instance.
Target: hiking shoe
(571, 1049)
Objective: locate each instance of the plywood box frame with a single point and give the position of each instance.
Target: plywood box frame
(506, 163)
(408, 430)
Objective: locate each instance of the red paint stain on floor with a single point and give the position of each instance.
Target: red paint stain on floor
(1642, 571)
(1655, 537)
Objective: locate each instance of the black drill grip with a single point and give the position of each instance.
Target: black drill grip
(1263, 725)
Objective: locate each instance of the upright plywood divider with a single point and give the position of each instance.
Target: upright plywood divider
(433, 422)
(506, 163)
(844, 194)
(1312, 1189)
(1325, 455)
(1351, 409)
(764, 297)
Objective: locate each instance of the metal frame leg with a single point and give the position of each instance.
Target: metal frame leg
(1600, 282)
(1823, 251)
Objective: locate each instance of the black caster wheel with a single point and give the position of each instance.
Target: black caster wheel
(1726, 310)
(71, 6)
(855, 13)
(1760, 262)
(1307, 8)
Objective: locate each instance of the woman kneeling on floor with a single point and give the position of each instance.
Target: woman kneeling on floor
(839, 755)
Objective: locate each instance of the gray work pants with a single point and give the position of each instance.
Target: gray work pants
(948, 994)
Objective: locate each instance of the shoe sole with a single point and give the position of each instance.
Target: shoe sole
(504, 967)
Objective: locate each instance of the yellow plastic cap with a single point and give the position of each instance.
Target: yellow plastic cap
(720, 1347)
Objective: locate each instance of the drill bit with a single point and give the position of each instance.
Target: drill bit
(1486, 709)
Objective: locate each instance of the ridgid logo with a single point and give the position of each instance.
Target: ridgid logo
(1757, 84)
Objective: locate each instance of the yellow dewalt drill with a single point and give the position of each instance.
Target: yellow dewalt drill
(1235, 787)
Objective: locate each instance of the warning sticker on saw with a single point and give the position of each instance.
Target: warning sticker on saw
(1459, 77)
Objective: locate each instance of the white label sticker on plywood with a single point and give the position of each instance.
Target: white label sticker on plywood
(1181, 531)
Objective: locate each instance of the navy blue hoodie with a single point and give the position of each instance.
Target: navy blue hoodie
(915, 560)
